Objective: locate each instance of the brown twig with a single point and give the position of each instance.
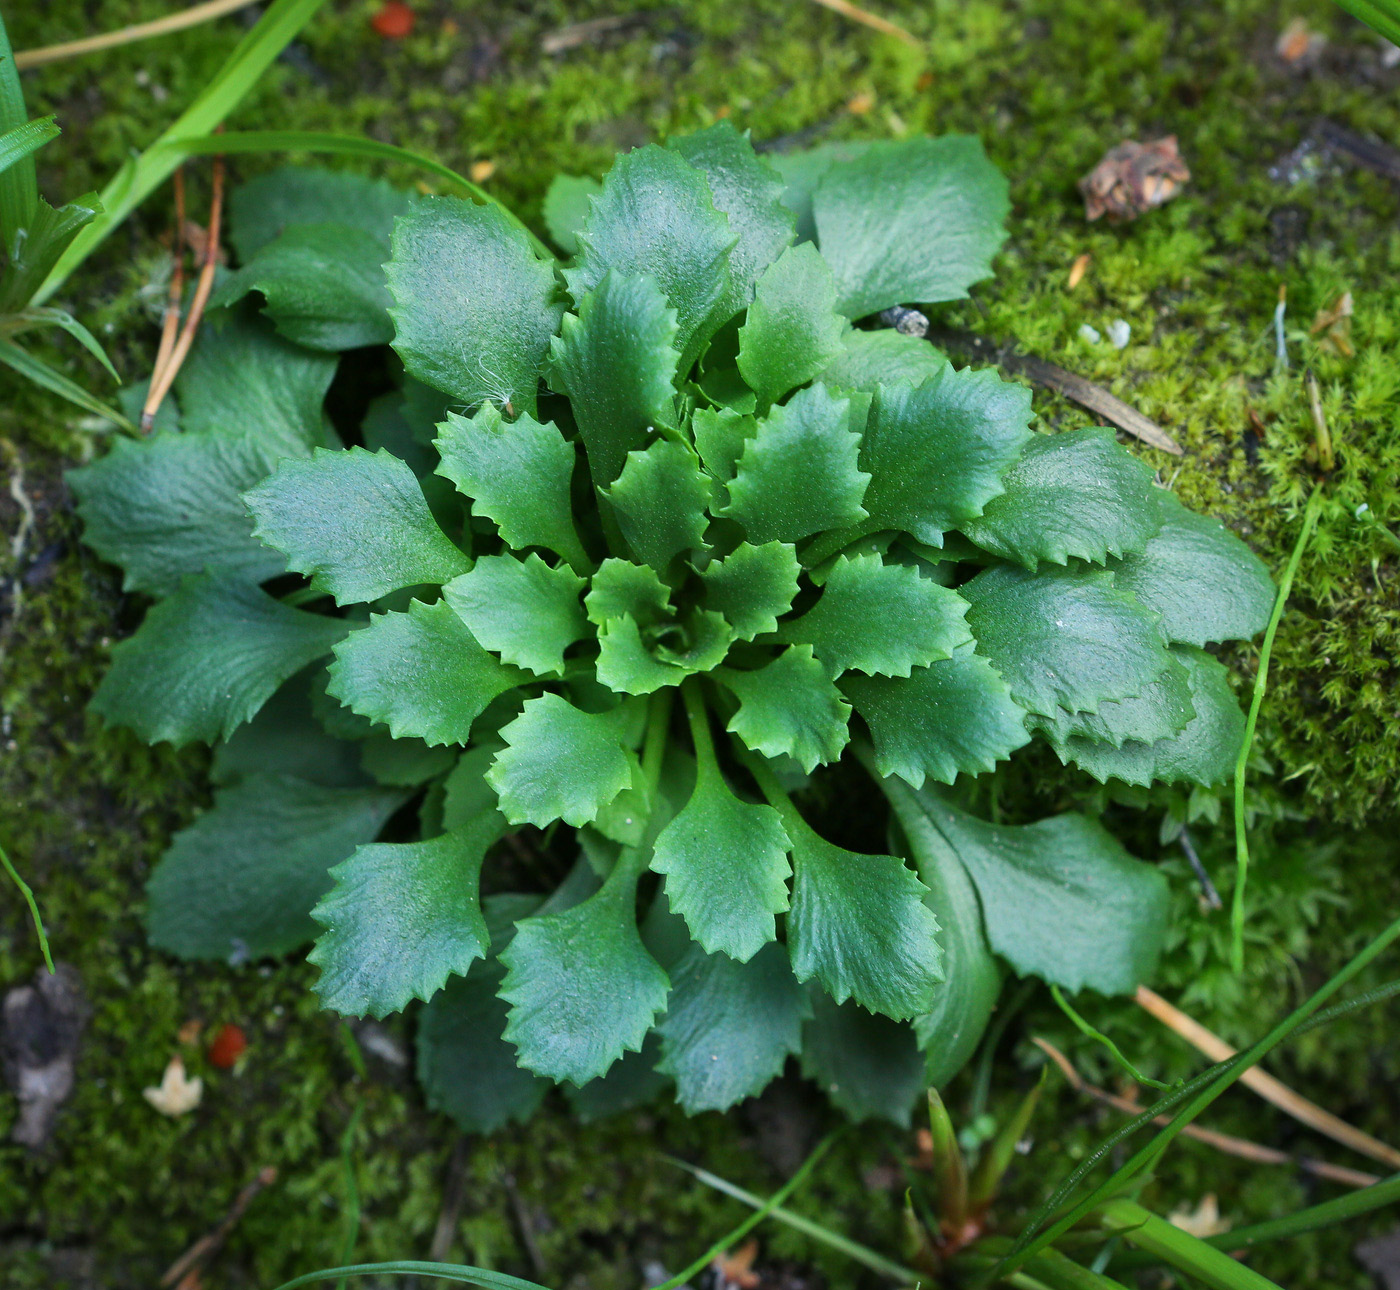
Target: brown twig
(1227, 1143)
(173, 22)
(1264, 1084)
(164, 376)
(185, 1269)
(1039, 372)
(873, 20)
(170, 324)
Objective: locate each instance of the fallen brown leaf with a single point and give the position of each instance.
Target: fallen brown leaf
(1134, 178)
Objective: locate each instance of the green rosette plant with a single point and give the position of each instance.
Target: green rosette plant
(520, 651)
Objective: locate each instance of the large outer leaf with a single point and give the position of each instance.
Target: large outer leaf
(240, 882)
(617, 363)
(473, 308)
(422, 673)
(526, 611)
(917, 220)
(937, 452)
(261, 209)
(1061, 899)
(730, 1027)
(1077, 494)
(869, 1066)
(954, 716)
(1064, 637)
(1161, 710)
(207, 658)
(401, 918)
(172, 505)
(1206, 584)
(656, 216)
(356, 522)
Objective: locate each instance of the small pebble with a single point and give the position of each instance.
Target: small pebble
(1089, 334)
(1119, 333)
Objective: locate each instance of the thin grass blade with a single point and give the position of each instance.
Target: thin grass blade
(49, 378)
(33, 908)
(459, 1273)
(1179, 1249)
(19, 185)
(45, 316)
(1341, 1210)
(25, 140)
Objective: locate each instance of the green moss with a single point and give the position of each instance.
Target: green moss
(1049, 84)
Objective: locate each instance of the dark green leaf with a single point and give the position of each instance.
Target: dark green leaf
(207, 658)
(655, 216)
(753, 586)
(952, 717)
(356, 522)
(473, 308)
(790, 707)
(404, 763)
(1061, 899)
(807, 439)
(487, 457)
(631, 1081)
(172, 505)
(869, 359)
(421, 673)
(526, 611)
(1161, 710)
(730, 1027)
(264, 207)
(323, 283)
(1206, 584)
(803, 170)
(560, 763)
(1077, 494)
(936, 453)
(617, 363)
(869, 1066)
(401, 918)
(566, 205)
(883, 619)
(660, 499)
(240, 882)
(917, 220)
(1064, 638)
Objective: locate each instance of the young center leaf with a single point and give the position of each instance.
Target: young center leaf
(421, 673)
(401, 918)
(789, 706)
(660, 500)
(474, 310)
(206, 658)
(752, 586)
(526, 611)
(356, 522)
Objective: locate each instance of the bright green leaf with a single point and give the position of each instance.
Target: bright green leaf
(621, 587)
(869, 1066)
(567, 202)
(626, 665)
(753, 586)
(660, 499)
(356, 522)
(869, 359)
(473, 308)
(720, 434)
(808, 439)
(207, 658)
(422, 673)
(790, 707)
(526, 611)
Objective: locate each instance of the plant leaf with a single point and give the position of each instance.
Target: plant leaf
(626, 665)
(40, 317)
(621, 587)
(869, 359)
(730, 1027)
(660, 499)
(1203, 752)
(753, 586)
(323, 283)
(616, 360)
(883, 619)
(792, 330)
(582, 988)
(1163, 709)
(936, 453)
(807, 439)
(1206, 583)
(207, 658)
(524, 610)
(1061, 899)
(1076, 494)
(422, 673)
(720, 434)
(951, 717)
(559, 763)
(859, 925)
(567, 202)
(473, 307)
(631, 1081)
(240, 882)
(356, 522)
(172, 505)
(726, 866)
(790, 707)
(261, 209)
(487, 457)
(869, 1066)
(47, 377)
(1064, 638)
(656, 216)
(401, 918)
(917, 220)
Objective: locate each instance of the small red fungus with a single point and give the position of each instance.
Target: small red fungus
(394, 20)
(228, 1046)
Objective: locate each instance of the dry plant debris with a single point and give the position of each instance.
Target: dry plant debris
(177, 1094)
(1299, 46)
(1134, 178)
(40, 1028)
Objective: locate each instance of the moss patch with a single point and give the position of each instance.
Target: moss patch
(1050, 84)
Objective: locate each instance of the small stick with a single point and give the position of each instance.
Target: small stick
(1326, 459)
(161, 383)
(1223, 1142)
(847, 10)
(1212, 897)
(172, 22)
(1264, 1084)
(170, 324)
(185, 1269)
(525, 1228)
